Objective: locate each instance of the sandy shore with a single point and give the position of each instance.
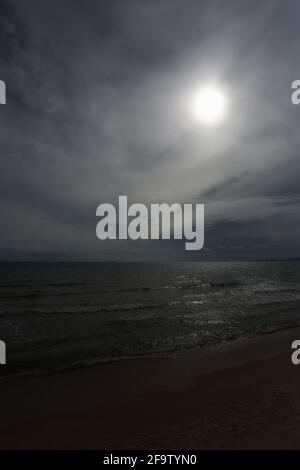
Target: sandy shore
(245, 397)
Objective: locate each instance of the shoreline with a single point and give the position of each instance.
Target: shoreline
(150, 403)
(207, 354)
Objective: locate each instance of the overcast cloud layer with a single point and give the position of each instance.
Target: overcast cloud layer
(97, 106)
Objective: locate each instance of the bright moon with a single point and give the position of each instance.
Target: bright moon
(209, 105)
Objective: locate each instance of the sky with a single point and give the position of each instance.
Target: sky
(98, 105)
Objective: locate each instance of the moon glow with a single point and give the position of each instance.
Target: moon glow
(209, 105)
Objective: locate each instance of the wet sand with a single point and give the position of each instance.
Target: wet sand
(244, 397)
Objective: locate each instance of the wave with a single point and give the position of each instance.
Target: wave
(88, 310)
(225, 284)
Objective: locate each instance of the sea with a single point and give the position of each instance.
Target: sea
(55, 316)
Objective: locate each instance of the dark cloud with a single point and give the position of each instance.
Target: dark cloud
(97, 107)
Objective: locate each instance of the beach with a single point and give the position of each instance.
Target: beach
(242, 397)
(149, 235)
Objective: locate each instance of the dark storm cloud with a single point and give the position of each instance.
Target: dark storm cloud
(97, 107)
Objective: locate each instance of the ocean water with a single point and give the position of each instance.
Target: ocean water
(58, 315)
